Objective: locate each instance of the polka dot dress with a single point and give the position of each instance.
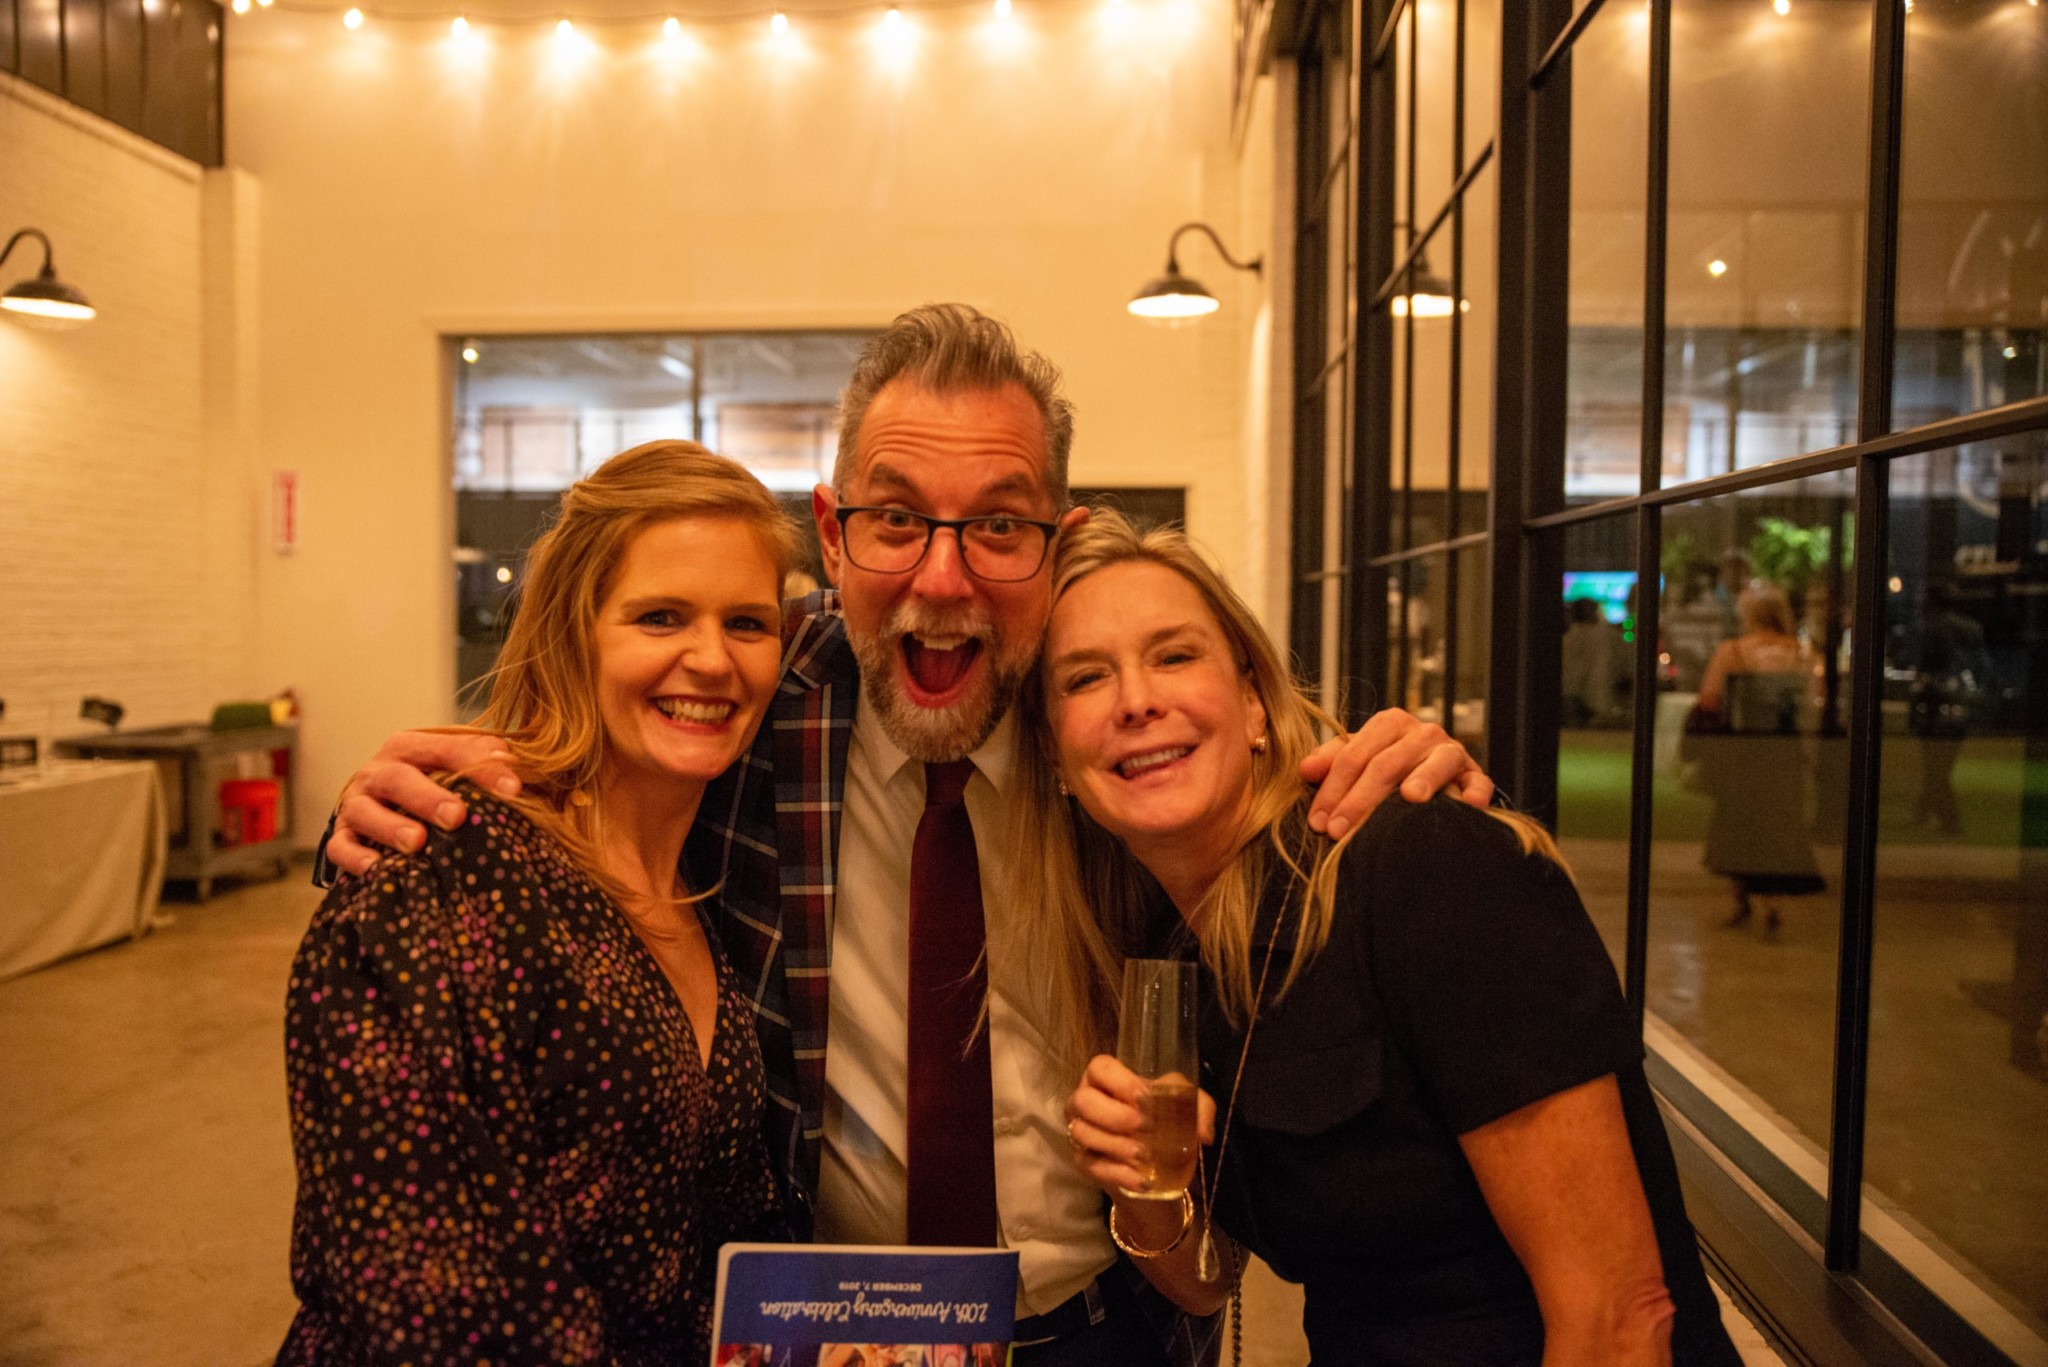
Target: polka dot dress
(508, 1149)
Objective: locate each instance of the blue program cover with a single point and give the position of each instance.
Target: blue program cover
(792, 1305)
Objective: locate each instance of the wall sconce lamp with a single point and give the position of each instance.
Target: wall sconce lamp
(46, 298)
(1174, 295)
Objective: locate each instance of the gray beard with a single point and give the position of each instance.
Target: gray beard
(936, 735)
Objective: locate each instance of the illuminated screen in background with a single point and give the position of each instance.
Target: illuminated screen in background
(1609, 588)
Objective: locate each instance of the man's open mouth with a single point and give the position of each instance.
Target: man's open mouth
(937, 663)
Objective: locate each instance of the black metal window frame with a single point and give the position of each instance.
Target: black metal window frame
(1530, 151)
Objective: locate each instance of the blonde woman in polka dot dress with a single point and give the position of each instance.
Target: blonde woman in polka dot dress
(525, 1089)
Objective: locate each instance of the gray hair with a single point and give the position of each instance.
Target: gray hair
(956, 349)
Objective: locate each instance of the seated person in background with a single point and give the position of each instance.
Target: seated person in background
(1430, 1092)
(1747, 737)
(525, 1088)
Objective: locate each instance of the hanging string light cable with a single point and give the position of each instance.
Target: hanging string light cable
(664, 21)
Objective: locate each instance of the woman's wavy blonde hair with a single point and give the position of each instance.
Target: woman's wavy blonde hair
(1094, 890)
(543, 693)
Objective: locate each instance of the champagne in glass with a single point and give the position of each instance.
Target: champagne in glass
(1156, 1040)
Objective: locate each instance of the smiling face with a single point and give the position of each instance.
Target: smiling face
(1152, 719)
(941, 652)
(688, 649)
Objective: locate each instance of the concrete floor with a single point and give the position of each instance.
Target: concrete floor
(145, 1166)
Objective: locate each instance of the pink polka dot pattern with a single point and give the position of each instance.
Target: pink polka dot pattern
(508, 1148)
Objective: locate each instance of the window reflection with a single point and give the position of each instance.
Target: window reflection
(1610, 151)
(1973, 213)
(1764, 263)
(1597, 710)
(1750, 759)
(1958, 1101)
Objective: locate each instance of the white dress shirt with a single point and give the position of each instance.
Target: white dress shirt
(1049, 1212)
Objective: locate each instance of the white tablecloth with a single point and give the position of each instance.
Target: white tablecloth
(81, 859)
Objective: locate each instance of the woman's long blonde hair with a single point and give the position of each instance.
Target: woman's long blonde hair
(1094, 890)
(543, 693)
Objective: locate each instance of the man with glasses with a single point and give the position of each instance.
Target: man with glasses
(861, 844)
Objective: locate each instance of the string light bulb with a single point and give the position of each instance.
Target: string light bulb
(1002, 9)
(564, 31)
(779, 25)
(892, 19)
(458, 26)
(671, 28)
(353, 20)
(240, 6)
(1783, 7)
(1717, 268)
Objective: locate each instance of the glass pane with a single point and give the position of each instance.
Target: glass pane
(1340, 315)
(1750, 757)
(1436, 100)
(1482, 73)
(1475, 383)
(1610, 151)
(1789, 391)
(1415, 636)
(1973, 213)
(1422, 442)
(1958, 1100)
(1770, 113)
(1596, 714)
(1468, 717)
(1404, 206)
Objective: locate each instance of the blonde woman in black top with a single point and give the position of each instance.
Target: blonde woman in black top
(1428, 1095)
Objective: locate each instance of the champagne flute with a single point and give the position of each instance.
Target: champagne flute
(1156, 1040)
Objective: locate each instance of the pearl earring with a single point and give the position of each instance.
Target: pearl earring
(1258, 745)
(1065, 791)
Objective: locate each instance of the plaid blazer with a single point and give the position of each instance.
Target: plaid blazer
(767, 834)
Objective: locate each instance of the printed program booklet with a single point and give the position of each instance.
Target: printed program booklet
(821, 1305)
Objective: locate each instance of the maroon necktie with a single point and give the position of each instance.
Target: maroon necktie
(951, 1197)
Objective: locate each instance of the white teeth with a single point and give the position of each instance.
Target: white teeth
(952, 642)
(1138, 764)
(683, 709)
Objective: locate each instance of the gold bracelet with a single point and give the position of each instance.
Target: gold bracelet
(1187, 1220)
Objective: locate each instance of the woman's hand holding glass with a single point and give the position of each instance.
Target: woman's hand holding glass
(1109, 1129)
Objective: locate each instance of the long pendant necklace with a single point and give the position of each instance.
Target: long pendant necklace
(1205, 1251)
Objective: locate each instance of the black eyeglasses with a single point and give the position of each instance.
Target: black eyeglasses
(1001, 548)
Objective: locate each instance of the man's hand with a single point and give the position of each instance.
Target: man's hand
(1356, 773)
(381, 798)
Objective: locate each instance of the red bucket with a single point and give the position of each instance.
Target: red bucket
(248, 811)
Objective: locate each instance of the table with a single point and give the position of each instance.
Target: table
(82, 847)
(194, 758)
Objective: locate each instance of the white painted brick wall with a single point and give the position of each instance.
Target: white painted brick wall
(111, 576)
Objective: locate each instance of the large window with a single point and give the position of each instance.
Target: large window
(532, 415)
(1698, 469)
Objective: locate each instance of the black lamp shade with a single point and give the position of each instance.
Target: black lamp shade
(1173, 295)
(48, 300)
